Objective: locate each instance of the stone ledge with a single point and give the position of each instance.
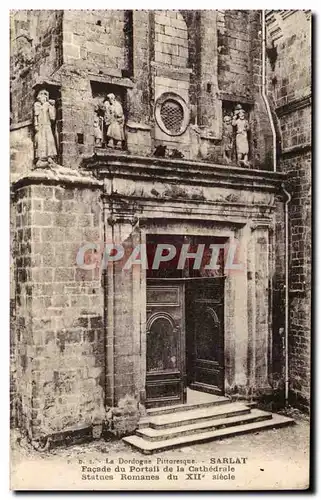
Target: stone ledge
(208, 137)
(49, 176)
(224, 96)
(297, 148)
(296, 292)
(138, 126)
(17, 126)
(44, 82)
(110, 75)
(294, 105)
(110, 79)
(152, 169)
(174, 69)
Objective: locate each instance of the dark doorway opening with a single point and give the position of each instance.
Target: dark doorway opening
(185, 323)
(204, 301)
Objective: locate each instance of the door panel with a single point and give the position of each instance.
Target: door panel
(205, 334)
(165, 353)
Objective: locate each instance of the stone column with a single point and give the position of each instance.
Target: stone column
(259, 308)
(251, 306)
(240, 310)
(236, 323)
(140, 95)
(209, 106)
(123, 300)
(138, 124)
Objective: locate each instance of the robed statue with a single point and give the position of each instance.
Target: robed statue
(114, 120)
(242, 128)
(44, 123)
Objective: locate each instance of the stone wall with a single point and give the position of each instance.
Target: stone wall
(234, 44)
(36, 53)
(289, 84)
(171, 45)
(95, 39)
(211, 59)
(239, 41)
(170, 72)
(58, 333)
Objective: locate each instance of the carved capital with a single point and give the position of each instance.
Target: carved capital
(267, 226)
(122, 219)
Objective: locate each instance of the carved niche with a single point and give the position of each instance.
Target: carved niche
(236, 134)
(109, 112)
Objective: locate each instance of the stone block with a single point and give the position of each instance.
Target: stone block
(162, 19)
(71, 51)
(42, 219)
(52, 234)
(65, 220)
(64, 274)
(180, 26)
(178, 61)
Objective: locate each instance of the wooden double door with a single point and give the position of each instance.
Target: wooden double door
(185, 338)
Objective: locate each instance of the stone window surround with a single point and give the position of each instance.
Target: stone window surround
(166, 96)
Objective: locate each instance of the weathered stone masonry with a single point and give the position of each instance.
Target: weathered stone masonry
(78, 338)
(289, 83)
(59, 322)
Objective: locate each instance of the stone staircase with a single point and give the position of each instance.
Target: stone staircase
(174, 426)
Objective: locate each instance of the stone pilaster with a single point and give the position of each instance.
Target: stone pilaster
(139, 96)
(236, 332)
(123, 296)
(209, 106)
(138, 125)
(260, 334)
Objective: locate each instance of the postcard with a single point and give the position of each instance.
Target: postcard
(161, 249)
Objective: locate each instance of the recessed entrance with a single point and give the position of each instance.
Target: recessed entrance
(185, 331)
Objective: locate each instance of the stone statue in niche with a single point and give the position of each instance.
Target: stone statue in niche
(242, 128)
(228, 138)
(44, 123)
(98, 130)
(114, 120)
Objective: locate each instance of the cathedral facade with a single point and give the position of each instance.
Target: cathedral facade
(142, 143)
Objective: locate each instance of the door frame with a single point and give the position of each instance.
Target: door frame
(191, 344)
(179, 376)
(183, 354)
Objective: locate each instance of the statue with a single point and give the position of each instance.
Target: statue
(98, 133)
(44, 122)
(242, 143)
(114, 121)
(228, 137)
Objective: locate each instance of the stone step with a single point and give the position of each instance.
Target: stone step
(198, 415)
(251, 404)
(163, 410)
(147, 447)
(209, 425)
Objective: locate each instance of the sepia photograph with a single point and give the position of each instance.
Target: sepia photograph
(160, 273)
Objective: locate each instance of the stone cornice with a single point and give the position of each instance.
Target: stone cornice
(153, 169)
(294, 105)
(47, 176)
(297, 149)
(224, 96)
(17, 126)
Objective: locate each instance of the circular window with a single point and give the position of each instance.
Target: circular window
(172, 114)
